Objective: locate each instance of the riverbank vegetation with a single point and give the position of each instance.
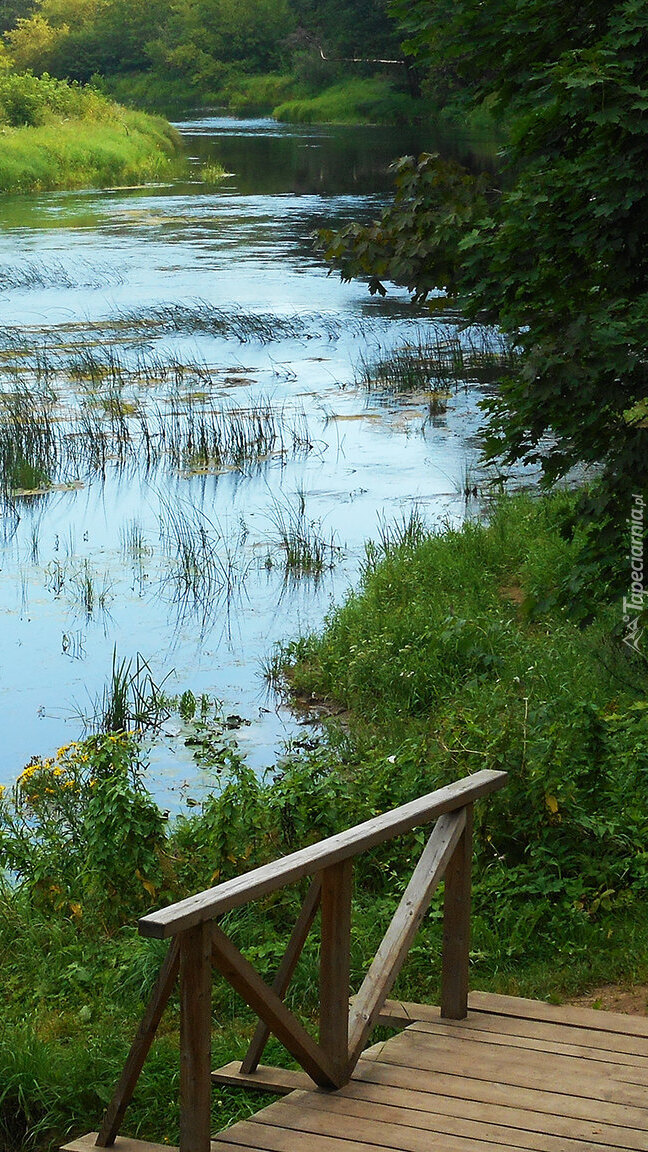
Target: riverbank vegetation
(251, 57)
(454, 653)
(57, 134)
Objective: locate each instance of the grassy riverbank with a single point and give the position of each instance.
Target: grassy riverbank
(289, 98)
(455, 653)
(59, 135)
(356, 101)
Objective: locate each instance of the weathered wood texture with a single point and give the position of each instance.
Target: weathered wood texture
(195, 1039)
(456, 926)
(335, 965)
(548, 1079)
(494, 1080)
(279, 1081)
(393, 950)
(317, 857)
(270, 1008)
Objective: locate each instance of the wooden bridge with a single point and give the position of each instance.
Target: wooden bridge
(479, 1073)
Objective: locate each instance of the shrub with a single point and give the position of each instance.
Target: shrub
(78, 829)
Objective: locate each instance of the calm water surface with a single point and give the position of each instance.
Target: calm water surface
(141, 271)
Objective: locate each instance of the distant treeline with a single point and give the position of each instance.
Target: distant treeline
(170, 52)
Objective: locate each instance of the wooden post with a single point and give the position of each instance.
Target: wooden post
(456, 926)
(195, 1039)
(396, 942)
(335, 965)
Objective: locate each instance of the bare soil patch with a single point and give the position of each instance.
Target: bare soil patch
(616, 998)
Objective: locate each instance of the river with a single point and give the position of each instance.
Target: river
(207, 295)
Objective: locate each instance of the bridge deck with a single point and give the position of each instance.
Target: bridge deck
(516, 1074)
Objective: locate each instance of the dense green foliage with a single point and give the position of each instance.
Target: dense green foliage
(453, 658)
(554, 252)
(452, 645)
(183, 51)
(57, 134)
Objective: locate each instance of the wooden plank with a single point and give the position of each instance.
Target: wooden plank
(382, 1112)
(456, 926)
(305, 862)
(548, 1072)
(469, 1060)
(219, 1145)
(631, 1068)
(623, 1049)
(122, 1144)
(282, 1022)
(335, 965)
(397, 940)
(577, 1017)
(195, 1039)
(453, 1110)
(276, 1138)
(553, 1105)
(285, 971)
(377, 1130)
(264, 1078)
(140, 1047)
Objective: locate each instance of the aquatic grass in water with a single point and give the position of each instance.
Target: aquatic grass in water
(304, 548)
(46, 438)
(28, 440)
(205, 565)
(85, 590)
(57, 274)
(438, 362)
(196, 316)
(131, 700)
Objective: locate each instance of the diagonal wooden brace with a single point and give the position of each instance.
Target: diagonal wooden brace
(284, 973)
(245, 980)
(140, 1047)
(396, 942)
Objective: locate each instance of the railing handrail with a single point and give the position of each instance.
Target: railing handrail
(307, 861)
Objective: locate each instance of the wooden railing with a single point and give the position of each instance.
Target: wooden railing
(198, 943)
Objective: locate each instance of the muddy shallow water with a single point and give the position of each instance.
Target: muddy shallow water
(210, 296)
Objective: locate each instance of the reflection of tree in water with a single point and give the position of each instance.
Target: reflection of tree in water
(330, 160)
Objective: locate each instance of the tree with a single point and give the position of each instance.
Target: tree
(13, 10)
(558, 257)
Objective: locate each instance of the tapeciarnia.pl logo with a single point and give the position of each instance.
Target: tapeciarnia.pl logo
(633, 604)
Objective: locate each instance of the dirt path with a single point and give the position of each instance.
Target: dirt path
(616, 998)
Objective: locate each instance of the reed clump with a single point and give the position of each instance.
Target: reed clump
(437, 363)
(48, 436)
(304, 547)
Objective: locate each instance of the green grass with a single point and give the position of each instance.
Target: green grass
(356, 101)
(60, 135)
(79, 153)
(454, 653)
